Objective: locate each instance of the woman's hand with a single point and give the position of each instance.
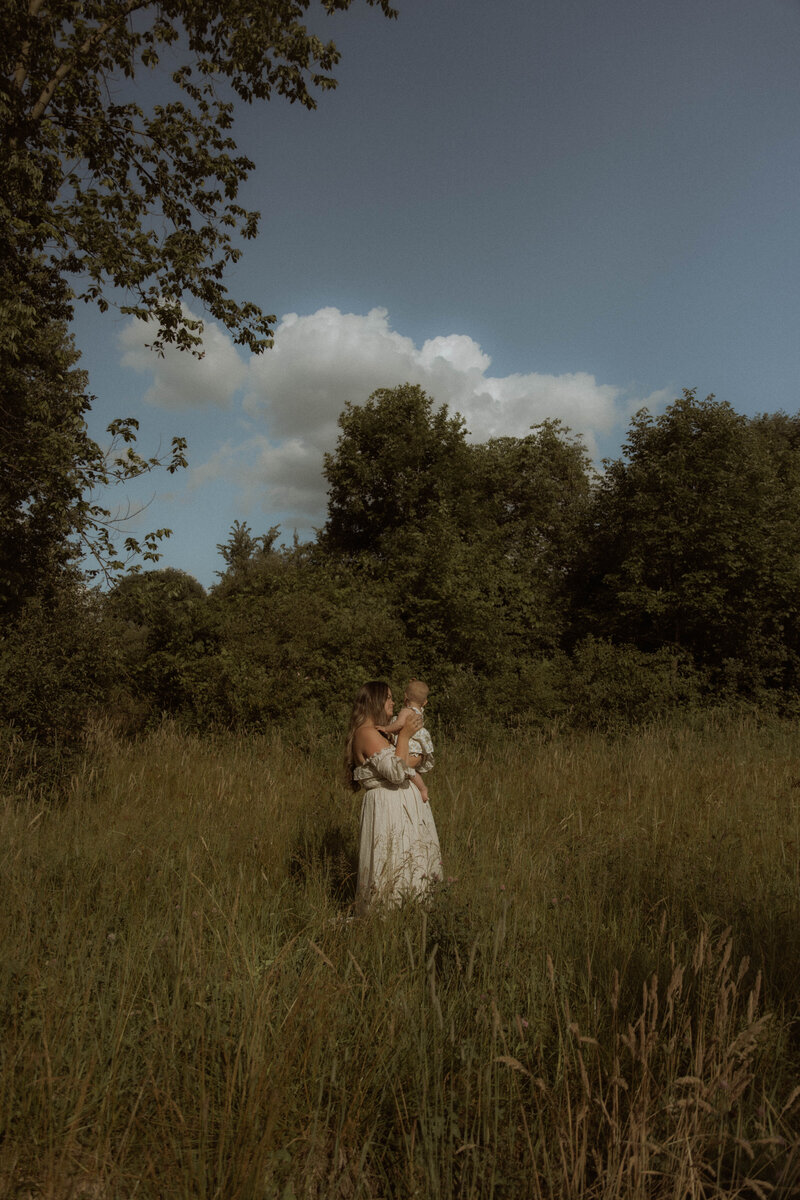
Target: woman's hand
(413, 723)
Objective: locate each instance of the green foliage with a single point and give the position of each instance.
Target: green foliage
(57, 668)
(522, 589)
(49, 466)
(165, 634)
(44, 447)
(243, 552)
(100, 194)
(121, 197)
(530, 496)
(398, 463)
(694, 541)
(298, 635)
(612, 687)
(469, 541)
(534, 491)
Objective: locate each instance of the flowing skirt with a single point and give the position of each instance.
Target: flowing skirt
(399, 856)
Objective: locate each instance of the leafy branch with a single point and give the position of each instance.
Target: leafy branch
(96, 525)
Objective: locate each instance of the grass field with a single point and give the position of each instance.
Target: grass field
(601, 1000)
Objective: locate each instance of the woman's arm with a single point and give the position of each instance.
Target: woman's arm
(412, 724)
(368, 741)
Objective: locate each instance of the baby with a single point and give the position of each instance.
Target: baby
(414, 700)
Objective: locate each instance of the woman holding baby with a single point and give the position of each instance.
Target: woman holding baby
(399, 856)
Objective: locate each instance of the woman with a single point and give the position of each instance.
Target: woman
(399, 854)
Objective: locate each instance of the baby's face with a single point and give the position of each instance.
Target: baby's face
(409, 703)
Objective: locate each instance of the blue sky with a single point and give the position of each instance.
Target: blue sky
(534, 209)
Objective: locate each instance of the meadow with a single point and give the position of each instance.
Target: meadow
(601, 999)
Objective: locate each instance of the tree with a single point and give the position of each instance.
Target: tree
(397, 461)
(118, 197)
(298, 633)
(49, 465)
(57, 663)
(470, 541)
(244, 552)
(98, 194)
(42, 401)
(534, 492)
(164, 630)
(694, 540)
(401, 508)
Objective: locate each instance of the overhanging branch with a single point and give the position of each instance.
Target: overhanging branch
(96, 36)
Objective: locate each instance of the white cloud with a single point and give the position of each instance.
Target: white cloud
(321, 361)
(317, 364)
(294, 393)
(182, 380)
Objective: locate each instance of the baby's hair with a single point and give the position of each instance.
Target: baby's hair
(417, 691)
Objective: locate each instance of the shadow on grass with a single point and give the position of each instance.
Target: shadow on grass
(330, 854)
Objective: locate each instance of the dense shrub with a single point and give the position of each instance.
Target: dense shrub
(611, 687)
(57, 668)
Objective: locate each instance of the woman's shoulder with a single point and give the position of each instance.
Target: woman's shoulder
(368, 741)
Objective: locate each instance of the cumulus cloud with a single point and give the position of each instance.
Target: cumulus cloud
(321, 361)
(317, 364)
(182, 380)
(294, 393)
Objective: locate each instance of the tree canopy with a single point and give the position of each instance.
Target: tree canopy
(119, 175)
(468, 539)
(695, 540)
(119, 196)
(508, 574)
(398, 460)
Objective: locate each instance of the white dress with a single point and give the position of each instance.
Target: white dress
(398, 856)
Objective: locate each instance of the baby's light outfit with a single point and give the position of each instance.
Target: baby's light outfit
(421, 744)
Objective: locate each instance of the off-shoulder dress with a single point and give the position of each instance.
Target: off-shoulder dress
(399, 855)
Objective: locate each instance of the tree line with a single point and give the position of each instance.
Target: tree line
(519, 582)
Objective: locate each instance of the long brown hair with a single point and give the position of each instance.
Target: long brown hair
(369, 705)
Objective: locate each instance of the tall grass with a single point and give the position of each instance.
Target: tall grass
(600, 1000)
